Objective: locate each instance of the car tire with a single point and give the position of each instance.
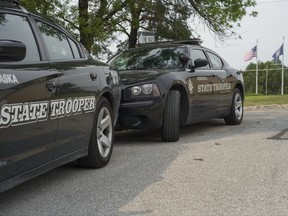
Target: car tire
(102, 137)
(171, 118)
(236, 111)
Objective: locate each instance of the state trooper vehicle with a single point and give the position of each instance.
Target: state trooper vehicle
(57, 104)
(172, 84)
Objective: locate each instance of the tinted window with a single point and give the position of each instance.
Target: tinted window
(17, 28)
(74, 48)
(215, 60)
(153, 58)
(198, 54)
(56, 42)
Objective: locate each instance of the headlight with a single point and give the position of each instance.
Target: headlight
(147, 89)
(136, 90)
(142, 91)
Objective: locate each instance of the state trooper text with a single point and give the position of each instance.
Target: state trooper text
(32, 112)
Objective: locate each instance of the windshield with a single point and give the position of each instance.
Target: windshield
(153, 58)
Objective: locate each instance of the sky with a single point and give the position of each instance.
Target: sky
(269, 28)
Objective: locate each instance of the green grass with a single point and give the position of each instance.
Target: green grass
(254, 100)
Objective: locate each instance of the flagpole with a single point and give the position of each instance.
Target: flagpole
(257, 67)
(282, 82)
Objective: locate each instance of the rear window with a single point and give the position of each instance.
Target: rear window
(57, 44)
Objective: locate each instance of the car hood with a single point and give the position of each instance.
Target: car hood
(136, 76)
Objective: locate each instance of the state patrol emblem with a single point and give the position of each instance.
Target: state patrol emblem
(190, 86)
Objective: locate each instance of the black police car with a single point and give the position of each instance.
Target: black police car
(171, 84)
(57, 104)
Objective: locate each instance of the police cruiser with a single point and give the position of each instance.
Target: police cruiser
(172, 84)
(57, 104)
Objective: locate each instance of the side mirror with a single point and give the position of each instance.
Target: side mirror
(12, 51)
(200, 63)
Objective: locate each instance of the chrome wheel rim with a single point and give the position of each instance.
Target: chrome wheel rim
(238, 105)
(104, 132)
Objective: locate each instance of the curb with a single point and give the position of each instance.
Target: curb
(264, 107)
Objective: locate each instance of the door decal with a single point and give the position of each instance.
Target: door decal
(32, 112)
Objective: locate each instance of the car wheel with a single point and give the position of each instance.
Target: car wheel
(236, 111)
(171, 117)
(101, 141)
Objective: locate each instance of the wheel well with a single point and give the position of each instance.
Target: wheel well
(240, 87)
(184, 104)
(110, 99)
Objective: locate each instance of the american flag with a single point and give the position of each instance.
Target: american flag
(251, 54)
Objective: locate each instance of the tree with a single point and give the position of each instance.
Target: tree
(97, 22)
(170, 18)
(131, 18)
(91, 21)
(54, 9)
(221, 16)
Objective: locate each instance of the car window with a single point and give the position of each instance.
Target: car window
(74, 49)
(14, 27)
(215, 60)
(56, 42)
(199, 54)
(152, 58)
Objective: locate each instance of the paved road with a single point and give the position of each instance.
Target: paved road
(213, 170)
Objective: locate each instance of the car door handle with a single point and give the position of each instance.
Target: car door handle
(51, 86)
(93, 76)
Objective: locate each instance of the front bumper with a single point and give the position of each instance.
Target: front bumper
(146, 114)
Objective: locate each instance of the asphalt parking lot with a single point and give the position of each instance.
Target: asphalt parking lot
(214, 169)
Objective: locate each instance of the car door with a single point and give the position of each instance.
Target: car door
(77, 90)
(223, 85)
(27, 133)
(200, 84)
